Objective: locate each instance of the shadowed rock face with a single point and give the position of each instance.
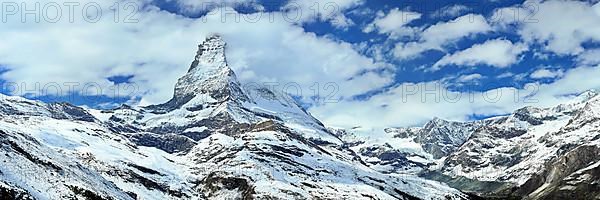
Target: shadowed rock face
(215, 183)
(168, 142)
(440, 137)
(574, 175)
(8, 191)
(25, 107)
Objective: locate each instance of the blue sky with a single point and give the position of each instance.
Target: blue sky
(379, 54)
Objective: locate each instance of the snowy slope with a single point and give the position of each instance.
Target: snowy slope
(48, 157)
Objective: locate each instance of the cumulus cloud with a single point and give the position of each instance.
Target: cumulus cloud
(450, 11)
(589, 57)
(469, 78)
(499, 53)
(438, 35)
(546, 73)
(393, 23)
(561, 26)
(505, 75)
(332, 11)
(87, 53)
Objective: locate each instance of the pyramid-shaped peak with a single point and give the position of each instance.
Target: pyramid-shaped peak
(208, 76)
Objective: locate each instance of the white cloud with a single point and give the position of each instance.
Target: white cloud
(517, 77)
(589, 57)
(332, 11)
(160, 47)
(455, 29)
(469, 78)
(394, 23)
(505, 75)
(410, 104)
(450, 11)
(560, 26)
(541, 55)
(340, 21)
(437, 36)
(295, 11)
(497, 53)
(546, 73)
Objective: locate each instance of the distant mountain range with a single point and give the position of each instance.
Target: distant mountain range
(217, 140)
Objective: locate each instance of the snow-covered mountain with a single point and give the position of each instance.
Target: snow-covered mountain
(215, 139)
(219, 139)
(533, 153)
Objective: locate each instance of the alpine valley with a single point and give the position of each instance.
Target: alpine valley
(218, 140)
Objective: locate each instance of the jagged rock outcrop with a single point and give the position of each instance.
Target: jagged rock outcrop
(440, 137)
(573, 175)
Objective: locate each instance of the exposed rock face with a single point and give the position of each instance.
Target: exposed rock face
(403, 132)
(8, 191)
(25, 107)
(571, 176)
(386, 155)
(170, 143)
(440, 137)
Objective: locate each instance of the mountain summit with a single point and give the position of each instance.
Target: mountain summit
(208, 75)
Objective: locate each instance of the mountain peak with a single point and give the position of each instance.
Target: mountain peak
(209, 76)
(211, 52)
